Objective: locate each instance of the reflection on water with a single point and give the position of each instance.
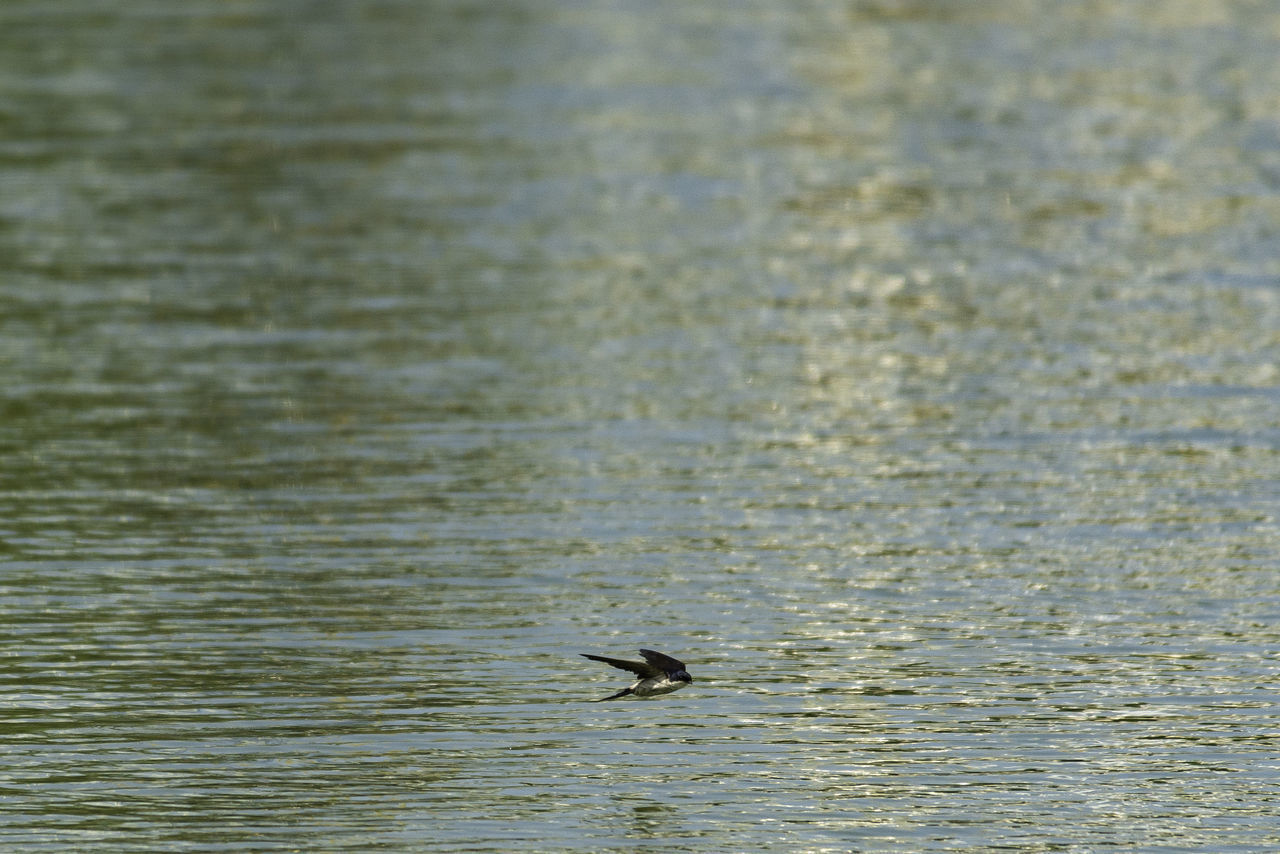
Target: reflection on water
(907, 369)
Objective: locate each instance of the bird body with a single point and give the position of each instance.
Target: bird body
(659, 674)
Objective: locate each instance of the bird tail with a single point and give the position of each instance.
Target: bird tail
(624, 692)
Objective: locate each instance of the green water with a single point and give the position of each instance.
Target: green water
(907, 369)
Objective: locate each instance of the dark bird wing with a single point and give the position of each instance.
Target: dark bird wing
(665, 663)
(639, 668)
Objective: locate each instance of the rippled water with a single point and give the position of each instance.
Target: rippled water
(909, 369)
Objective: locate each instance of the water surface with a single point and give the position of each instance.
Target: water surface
(908, 369)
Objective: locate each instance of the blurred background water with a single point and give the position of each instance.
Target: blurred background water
(907, 368)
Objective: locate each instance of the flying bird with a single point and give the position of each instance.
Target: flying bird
(659, 674)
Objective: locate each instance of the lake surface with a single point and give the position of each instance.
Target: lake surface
(911, 370)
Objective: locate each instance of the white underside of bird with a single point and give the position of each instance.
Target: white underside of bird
(656, 685)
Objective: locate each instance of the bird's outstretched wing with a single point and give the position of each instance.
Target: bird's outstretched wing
(639, 668)
(665, 663)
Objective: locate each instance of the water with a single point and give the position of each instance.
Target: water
(908, 369)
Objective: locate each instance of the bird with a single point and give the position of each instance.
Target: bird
(659, 674)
